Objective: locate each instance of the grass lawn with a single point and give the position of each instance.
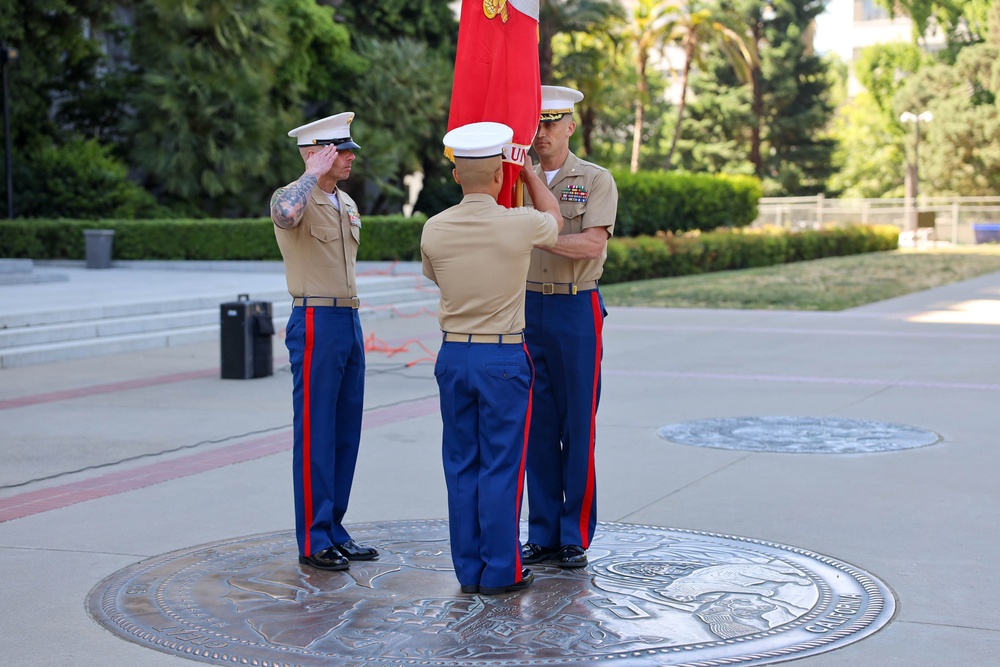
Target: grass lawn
(834, 283)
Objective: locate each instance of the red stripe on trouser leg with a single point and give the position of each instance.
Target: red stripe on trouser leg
(524, 456)
(307, 431)
(588, 499)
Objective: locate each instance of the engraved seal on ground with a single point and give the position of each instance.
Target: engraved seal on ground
(651, 597)
(798, 435)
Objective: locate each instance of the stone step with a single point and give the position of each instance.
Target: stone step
(22, 272)
(59, 335)
(29, 355)
(63, 332)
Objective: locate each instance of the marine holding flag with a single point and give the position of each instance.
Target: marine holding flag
(564, 324)
(497, 78)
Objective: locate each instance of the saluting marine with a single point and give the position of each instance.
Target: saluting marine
(318, 229)
(478, 253)
(564, 315)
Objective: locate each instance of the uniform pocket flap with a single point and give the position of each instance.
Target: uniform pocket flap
(325, 234)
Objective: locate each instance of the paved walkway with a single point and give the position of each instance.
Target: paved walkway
(111, 460)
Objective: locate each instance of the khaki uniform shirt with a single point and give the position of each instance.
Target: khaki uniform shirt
(588, 197)
(320, 251)
(478, 252)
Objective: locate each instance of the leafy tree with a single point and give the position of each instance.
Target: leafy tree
(964, 21)
(318, 61)
(776, 125)
(883, 68)
(960, 154)
(63, 86)
(697, 28)
(203, 117)
(921, 12)
(837, 73)
(716, 136)
(651, 24)
(402, 113)
(612, 135)
(977, 15)
(81, 179)
(220, 82)
(400, 94)
(563, 17)
(992, 32)
(429, 21)
(593, 63)
(55, 60)
(869, 157)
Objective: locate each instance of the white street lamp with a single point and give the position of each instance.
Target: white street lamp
(912, 173)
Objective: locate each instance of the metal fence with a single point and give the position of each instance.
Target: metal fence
(942, 218)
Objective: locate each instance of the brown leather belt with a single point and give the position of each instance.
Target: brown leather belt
(560, 288)
(496, 339)
(326, 302)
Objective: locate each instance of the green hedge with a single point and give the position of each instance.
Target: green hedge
(651, 202)
(398, 238)
(383, 238)
(669, 255)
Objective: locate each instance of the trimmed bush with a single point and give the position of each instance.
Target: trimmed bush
(383, 238)
(397, 238)
(667, 255)
(651, 202)
(80, 178)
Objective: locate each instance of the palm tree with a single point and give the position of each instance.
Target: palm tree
(567, 16)
(697, 28)
(652, 23)
(586, 64)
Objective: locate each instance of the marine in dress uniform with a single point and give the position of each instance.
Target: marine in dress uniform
(318, 229)
(478, 253)
(564, 316)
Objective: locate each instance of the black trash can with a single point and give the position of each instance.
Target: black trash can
(98, 244)
(246, 330)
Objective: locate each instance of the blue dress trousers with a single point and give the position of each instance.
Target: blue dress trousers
(485, 393)
(326, 351)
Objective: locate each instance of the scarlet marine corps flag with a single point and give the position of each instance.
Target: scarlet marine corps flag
(496, 76)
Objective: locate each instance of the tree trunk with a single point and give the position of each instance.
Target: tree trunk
(544, 54)
(546, 31)
(640, 97)
(588, 118)
(636, 136)
(757, 107)
(688, 58)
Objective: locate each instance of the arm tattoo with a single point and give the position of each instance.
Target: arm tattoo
(288, 204)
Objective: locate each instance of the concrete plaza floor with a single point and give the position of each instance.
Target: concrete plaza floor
(110, 460)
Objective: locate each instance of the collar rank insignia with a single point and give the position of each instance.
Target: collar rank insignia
(576, 193)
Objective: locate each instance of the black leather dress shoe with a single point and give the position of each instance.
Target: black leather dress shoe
(526, 579)
(351, 550)
(572, 555)
(471, 590)
(327, 559)
(532, 553)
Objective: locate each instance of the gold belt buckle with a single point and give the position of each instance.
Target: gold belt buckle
(355, 302)
(548, 288)
(572, 289)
